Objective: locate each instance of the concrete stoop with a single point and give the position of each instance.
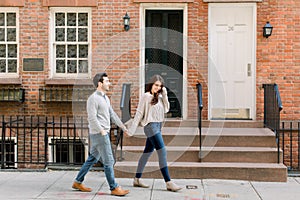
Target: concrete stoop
(208, 170)
(245, 152)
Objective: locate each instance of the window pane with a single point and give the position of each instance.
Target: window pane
(61, 153)
(78, 152)
(72, 51)
(11, 19)
(59, 34)
(82, 19)
(83, 66)
(59, 19)
(2, 34)
(60, 51)
(83, 51)
(2, 66)
(71, 19)
(12, 50)
(11, 34)
(72, 68)
(71, 34)
(1, 19)
(82, 34)
(2, 51)
(60, 66)
(12, 66)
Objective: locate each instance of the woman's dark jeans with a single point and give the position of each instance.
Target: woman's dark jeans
(154, 141)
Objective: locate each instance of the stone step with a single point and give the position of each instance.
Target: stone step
(209, 154)
(189, 136)
(213, 123)
(208, 170)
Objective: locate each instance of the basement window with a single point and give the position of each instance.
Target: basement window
(8, 149)
(9, 42)
(67, 151)
(70, 42)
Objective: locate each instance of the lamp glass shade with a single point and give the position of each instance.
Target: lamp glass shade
(267, 30)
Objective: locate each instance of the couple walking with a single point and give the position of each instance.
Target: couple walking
(150, 113)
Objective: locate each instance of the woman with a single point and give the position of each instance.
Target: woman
(150, 114)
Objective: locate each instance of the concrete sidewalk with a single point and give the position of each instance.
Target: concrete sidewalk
(56, 185)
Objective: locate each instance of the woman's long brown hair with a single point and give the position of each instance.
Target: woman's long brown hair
(149, 85)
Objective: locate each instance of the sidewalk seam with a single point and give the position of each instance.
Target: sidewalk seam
(255, 190)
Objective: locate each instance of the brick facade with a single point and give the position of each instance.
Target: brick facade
(117, 52)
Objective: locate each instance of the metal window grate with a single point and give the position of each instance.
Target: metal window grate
(12, 94)
(65, 94)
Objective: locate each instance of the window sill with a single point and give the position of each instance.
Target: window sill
(230, 1)
(10, 81)
(163, 1)
(57, 81)
(52, 3)
(17, 3)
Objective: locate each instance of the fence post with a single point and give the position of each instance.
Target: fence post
(46, 142)
(125, 107)
(200, 107)
(125, 102)
(3, 143)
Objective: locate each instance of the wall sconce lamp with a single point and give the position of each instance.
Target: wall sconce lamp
(267, 30)
(126, 19)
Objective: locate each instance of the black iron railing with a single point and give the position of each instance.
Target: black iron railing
(289, 136)
(40, 141)
(272, 108)
(200, 107)
(125, 106)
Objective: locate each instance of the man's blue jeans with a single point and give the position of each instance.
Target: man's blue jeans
(154, 141)
(100, 149)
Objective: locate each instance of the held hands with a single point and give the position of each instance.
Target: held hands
(125, 131)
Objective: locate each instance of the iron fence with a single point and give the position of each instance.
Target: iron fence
(289, 137)
(272, 108)
(39, 141)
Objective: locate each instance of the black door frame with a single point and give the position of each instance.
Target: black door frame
(176, 100)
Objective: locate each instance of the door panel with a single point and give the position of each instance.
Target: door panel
(163, 53)
(231, 80)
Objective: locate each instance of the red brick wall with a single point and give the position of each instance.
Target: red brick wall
(33, 44)
(117, 52)
(278, 56)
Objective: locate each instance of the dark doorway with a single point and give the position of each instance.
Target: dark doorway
(164, 51)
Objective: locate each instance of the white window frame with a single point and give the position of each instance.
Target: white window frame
(52, 158)
(14, 139)
(16, 10)
(52, 66)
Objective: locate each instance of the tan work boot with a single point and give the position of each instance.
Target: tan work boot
(81, 187)
(118, 191)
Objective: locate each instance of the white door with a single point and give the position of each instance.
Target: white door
(232, 61)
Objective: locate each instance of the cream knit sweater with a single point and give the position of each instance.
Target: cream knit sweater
(147, 113)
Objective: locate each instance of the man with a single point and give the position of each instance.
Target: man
(100, 115)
